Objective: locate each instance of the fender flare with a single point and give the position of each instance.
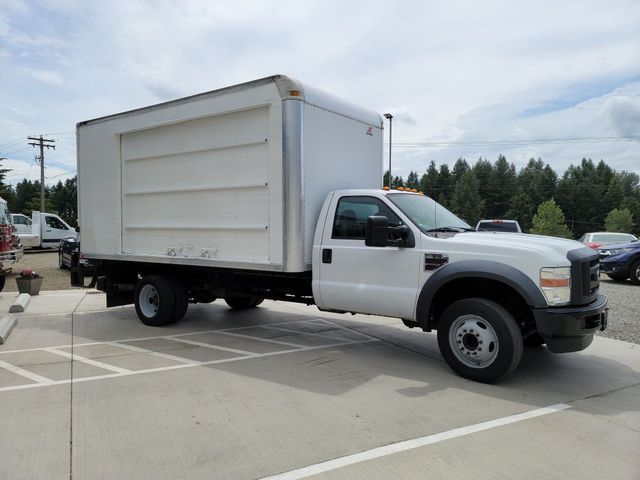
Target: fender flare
(486, 269)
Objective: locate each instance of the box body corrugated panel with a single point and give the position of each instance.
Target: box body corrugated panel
(232, 178)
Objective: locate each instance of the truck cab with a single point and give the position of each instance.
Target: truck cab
(401, 254)
(42, 230)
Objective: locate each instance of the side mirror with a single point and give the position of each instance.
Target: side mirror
(379, 234)
(377, 231)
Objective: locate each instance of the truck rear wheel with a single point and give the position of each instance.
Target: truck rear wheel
(182, 301)
(479, 339)
(243, 303)
(155, 301)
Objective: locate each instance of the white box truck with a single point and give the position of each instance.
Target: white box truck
(272, 189)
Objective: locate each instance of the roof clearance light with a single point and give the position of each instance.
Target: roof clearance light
(385, 188)
(295, 93)
(400, 188)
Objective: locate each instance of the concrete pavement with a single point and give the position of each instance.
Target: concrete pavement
(259, 393)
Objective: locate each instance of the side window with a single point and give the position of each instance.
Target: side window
(18, 220)
(53, 222)
(350, 221)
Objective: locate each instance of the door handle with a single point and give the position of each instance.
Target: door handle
(327, 255)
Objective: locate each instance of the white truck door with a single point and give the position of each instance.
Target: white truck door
(357, 278)
(54, 230)
(22, 223)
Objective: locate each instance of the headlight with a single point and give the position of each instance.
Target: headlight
(556, 285)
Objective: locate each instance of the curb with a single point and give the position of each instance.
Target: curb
(20, 304)
(6, 325)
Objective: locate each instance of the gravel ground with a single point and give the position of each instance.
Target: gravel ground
(624, 302)
(46, 264)
(624, 310)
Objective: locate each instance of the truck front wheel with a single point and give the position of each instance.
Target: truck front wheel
(479, 339)
(155, 301)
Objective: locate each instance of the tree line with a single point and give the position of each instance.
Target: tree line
(24, 197)
(586, 195)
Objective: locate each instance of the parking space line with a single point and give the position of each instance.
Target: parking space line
(88, 344)
(41, 381)
(174, 367)
(152, 353)
(88, 361)
(287, 344)
(403, 446)
(214, 347)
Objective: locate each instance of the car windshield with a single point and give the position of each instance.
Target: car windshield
(613, 237)
(497, 226)
(427, 214)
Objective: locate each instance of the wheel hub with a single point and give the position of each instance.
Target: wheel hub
(473, 341)
(149, 301)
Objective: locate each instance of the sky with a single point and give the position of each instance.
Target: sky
(548, 79)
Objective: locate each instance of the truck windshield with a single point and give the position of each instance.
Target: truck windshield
(427, 214)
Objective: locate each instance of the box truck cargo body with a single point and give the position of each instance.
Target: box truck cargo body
(233, 178)
(271, 190)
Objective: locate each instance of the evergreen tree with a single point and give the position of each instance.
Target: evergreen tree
(466, 201)
(412, 180)
(430, 181)
(445, 180)
(521, 208)
(459, 169)
(500, 188)
(549, 220)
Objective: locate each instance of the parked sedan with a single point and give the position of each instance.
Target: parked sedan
(597, 239)
(621, 261)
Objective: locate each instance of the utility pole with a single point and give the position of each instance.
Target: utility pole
(42, 143)
(389, 117)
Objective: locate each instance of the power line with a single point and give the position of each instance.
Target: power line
(16, 151)
(15, 142)
(60, 174)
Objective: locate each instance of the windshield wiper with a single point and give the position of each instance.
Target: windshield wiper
(450, 229)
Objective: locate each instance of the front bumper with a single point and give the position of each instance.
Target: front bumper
(12, 256)
(571, 329)
(616, 267)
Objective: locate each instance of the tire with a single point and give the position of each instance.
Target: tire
(634, 272)
(467, 326)
(182, 301)
(61, 264)
(3, 279)
(616, 278)
(533, 340)
(243, 303)
(155, 300)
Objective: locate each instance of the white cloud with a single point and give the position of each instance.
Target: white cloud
(48, 76)
(447, 71)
